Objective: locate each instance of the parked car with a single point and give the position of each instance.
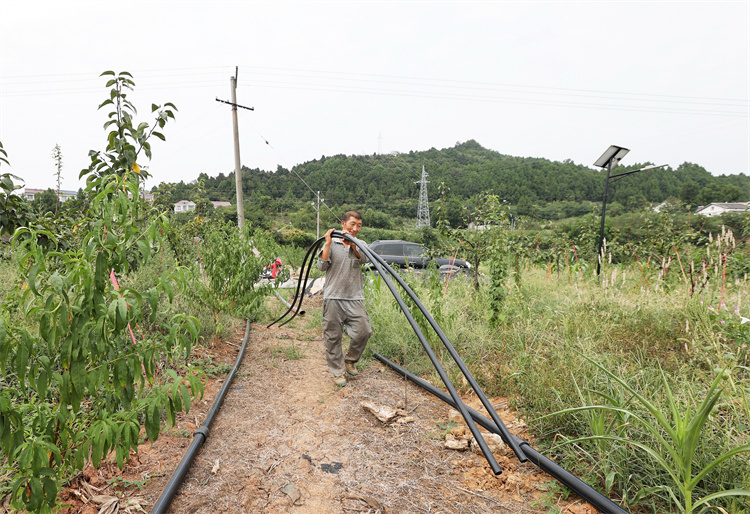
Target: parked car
(403, 254)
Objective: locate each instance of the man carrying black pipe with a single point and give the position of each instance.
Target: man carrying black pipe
(344, 299)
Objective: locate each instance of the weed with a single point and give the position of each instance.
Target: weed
(290, 353)
(675, 440)
(211, 368)
(445, 428)
(123, 483)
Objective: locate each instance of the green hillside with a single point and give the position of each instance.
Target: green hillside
(386, 183)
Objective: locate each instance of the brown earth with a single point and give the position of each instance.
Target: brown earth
(287, 440)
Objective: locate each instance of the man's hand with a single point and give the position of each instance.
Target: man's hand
(326, 252)
(349, 244)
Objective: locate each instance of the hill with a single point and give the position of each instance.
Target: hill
(386, 183)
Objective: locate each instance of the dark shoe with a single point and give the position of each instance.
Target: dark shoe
(352, 369)
(340, 381)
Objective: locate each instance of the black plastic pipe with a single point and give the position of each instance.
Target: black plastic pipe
(199, 437)
(380, 265)
(310, 256)
(290, 305)
(504, 433)
(376, 261)
(571, 481)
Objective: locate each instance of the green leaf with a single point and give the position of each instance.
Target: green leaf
(100, 279)
(186, 400)
(32, 278)
(57, 282)
(153, 421)
(78, 376)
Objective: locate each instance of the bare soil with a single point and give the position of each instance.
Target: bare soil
(287, 440)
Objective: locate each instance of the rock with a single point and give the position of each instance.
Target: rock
(454, 415)
(460, 431)
(293, 493)
(494, 442)
(382, 412)
(456, 444)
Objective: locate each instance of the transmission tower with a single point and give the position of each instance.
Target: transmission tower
(423, 210)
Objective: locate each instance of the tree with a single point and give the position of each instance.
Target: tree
(689, 193)
(14, 211)
(57, 157)
(77, 386)
(44, 202)
(525, 206)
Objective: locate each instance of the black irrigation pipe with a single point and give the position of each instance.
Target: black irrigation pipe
(379, 264)
(291, 306)
(298, 294)
(528, 453)
(199, 437)
(571, 481)
(504, 433)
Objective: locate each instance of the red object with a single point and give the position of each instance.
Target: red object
(275, 267)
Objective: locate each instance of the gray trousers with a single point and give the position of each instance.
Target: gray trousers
(336, 314)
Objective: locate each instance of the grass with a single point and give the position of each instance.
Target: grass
(289, 352)
(633, 325)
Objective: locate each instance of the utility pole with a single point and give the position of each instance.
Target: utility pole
(237, 165)
(316, 204)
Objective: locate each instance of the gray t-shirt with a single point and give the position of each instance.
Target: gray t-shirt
(343, 272)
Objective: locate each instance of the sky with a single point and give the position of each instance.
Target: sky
(670, 80)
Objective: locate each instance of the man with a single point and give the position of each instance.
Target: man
(344, 299)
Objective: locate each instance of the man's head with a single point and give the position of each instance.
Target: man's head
(352, 223)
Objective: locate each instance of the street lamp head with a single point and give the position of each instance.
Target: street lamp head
(613, 154)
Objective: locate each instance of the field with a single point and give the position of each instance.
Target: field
(610, 372)
(637, 378)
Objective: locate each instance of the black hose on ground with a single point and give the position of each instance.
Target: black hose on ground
(381, 266)
(504, 433)
(571, 481)
(527, 453)
(199, 437)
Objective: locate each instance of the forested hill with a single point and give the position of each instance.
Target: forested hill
(387, 182)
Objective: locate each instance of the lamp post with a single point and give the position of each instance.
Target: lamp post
(610, 159)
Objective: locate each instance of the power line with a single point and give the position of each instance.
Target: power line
(427, 88)
(495, 84)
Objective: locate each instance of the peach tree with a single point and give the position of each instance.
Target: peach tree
(79, 379)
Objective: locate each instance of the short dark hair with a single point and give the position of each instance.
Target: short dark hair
(351, 214)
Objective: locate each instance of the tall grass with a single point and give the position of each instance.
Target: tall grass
(636, 324)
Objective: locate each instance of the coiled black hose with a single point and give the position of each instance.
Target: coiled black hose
(310, 257)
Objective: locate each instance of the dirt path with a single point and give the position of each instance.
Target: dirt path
(287, 440)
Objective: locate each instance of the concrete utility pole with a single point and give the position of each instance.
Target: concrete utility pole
(316, 204)
(237, 165)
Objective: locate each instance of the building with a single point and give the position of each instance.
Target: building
(149, 197)
(65, 194)
(714, 209)
(184, 206)
(221, 204)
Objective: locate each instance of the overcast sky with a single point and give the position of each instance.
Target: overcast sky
(557, 79)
